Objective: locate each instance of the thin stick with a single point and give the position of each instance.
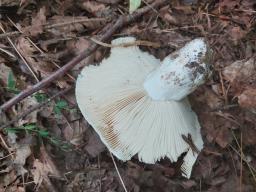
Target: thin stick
(24, 114)
(135, 43)
(118, 173)
(241, 162)
(109, 30)
(74, 22)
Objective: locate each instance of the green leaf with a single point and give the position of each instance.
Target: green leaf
(134, 5)
(11, 130)
(43, 133)
(30, 127)
(40, 97)
(61, 104)
(11, 81)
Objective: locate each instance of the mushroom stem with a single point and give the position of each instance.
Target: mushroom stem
(180, 73)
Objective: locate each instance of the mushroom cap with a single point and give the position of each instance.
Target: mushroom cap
(113, 100)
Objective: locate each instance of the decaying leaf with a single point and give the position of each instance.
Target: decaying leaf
(93, 7)
(41, 67)
(94, 146)
(240, 70)
(37, 22)
(40, 171)
(22, 153)
(24, 105)
(248, 98)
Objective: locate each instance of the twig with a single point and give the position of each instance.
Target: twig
(118, 173)
(241, 163)
(109, 31)
(8, 34)
(135, 43)
(74, 22)
(24, 114)
(252, 169)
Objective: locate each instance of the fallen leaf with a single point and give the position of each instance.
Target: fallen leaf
(93, 7)
(40, 171)
(24, 105)
(94, 146)
(223, 137)
(237, 34)
(239, 70)
(248, 98)
(4, 73)
(38, 23)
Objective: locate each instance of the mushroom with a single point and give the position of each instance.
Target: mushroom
(137, 104)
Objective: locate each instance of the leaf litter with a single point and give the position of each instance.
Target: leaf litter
(74, 159)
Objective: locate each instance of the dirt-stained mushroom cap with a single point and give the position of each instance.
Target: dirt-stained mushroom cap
(112, 98)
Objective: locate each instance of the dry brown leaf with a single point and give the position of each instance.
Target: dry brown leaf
(40, 171)
(239, 70)
(24, 105)
(94, 146)
(249, 133)
(41, 67)
(223, 137)
(248, 98)
(93, 6)
(37, 22)
(22, 153)
(237, 34)
(212, 100)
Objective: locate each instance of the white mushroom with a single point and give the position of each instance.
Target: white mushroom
(137, 104)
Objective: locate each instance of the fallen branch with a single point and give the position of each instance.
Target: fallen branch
(27, 112)
(108, 32)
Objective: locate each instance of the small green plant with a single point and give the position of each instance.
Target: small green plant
(11, 83)
(36, 130)
(60, 105)
(40, 97)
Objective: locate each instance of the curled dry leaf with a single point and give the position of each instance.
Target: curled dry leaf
(240, 70)
(248, 98)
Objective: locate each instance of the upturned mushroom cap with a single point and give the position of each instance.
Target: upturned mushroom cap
(112, 98)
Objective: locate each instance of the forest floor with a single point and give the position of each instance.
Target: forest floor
(46, 144)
